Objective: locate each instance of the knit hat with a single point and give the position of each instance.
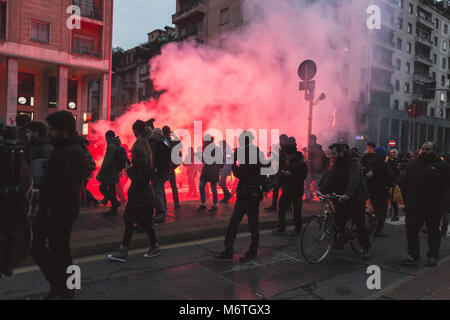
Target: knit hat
(62, 120)
(380, 152)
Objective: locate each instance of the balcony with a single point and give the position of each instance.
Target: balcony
(425, 41)
(88, 10)
(383, 65)
(419, 97)
(382, 86)
(87, 52)
(385, 43)
(197, 9)
(422, 78)
(429, 24)
(424, 60)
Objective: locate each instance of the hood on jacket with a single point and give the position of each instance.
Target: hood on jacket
(115, 140)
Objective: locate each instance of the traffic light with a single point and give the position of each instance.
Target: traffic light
(429, 90)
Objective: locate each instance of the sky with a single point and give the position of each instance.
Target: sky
(133, 19)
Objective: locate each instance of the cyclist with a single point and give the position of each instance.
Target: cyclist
(345, 178)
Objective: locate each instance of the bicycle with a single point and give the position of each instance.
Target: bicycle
(322, 233)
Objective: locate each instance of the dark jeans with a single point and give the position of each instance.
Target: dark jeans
(108, 190)
(53, 259)
(173, 186)
(355, 211)
(285, 203)
(202, 187)
(275, 195)
(147, 226)
(394, 206)
(415, 218)
(243, 206)
(223, 185)
(380, 204)
(158, 183)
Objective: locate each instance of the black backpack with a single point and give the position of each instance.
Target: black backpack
(121, 158)
(89, 162)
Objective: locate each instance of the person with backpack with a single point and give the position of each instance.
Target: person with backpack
(59, 204)
(87, 199)
(15, 186)
(109, 173)
(140, 201)
(317, 165)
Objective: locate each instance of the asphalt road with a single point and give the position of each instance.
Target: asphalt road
(189, 271)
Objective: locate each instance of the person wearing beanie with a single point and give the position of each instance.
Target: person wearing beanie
(59, 203)
(109, 173)
(379, 178)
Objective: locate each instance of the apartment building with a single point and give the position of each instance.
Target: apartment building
(131, 81)
(206, 19)
(48, 64)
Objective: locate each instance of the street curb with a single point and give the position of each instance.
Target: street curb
(140, 241)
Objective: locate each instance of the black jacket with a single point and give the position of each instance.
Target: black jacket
(210, 172)
(427, 185)
(379, 183)
(345, 177)
(109, 172)
(162, 161)
(64, 173)
(38, 153)
(294, 183)
(140, 203)
(249, 175)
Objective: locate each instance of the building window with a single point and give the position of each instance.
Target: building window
(408, 67)
(2, 20)
(442, 97)
(224, 16)
(410, 28)
(434, 58)
(400, 3)
(411, 8)
(405, 106)
(40, 31)
(444, 63)
(397, 85)
(398, 64)
(396, 104)
(399, 44)
(435, 41)
(444, 45)
(442, 80)
(25, 89)
(406, 87)
(445, 28)
(408, 47)
(52, 92)
(83, 44)
(437, 23)
(400, 23)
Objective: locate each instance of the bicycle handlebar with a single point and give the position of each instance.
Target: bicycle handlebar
(333, 196)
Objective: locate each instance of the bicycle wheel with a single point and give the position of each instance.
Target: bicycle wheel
(317, 239)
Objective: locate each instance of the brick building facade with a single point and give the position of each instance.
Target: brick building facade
(46, 66)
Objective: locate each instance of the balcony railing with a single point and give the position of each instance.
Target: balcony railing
(424, 41)
(88, 52)
(384, 65)
(422, 78)
(199, 7)
(425, 22)
(380, 86)
(424, 60)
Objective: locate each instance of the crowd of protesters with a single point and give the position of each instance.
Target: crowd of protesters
(47, 167)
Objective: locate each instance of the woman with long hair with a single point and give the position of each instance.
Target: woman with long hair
(140, 204)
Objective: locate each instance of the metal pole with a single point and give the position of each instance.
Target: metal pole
(108, 113)
(310, 117)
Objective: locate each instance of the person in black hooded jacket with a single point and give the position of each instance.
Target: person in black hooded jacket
(59, 204)
(292, 173)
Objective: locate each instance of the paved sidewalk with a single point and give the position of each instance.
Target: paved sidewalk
(93, 234)
(434, 284)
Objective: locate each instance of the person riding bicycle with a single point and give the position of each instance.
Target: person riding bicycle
(345, 178)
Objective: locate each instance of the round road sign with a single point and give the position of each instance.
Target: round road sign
(307, 70)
